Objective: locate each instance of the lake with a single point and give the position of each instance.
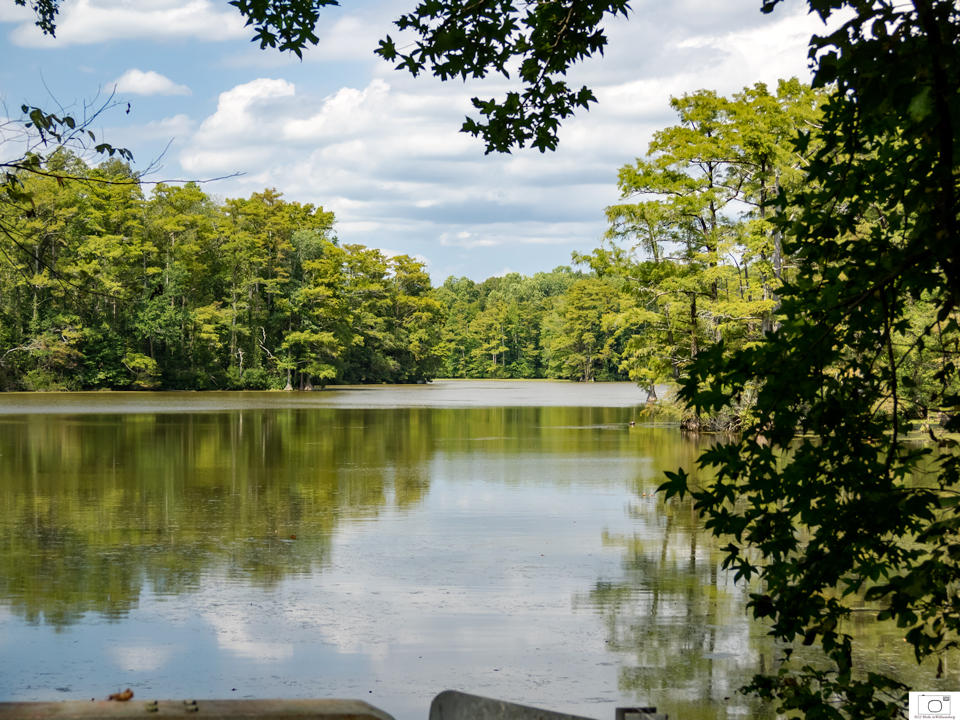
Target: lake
(377, 543)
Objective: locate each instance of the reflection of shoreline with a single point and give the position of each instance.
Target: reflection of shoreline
(676, 619)
(100, 508)
(57, 583)
(444, 393)
(673, 607)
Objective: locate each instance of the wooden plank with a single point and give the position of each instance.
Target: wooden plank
(137, 709)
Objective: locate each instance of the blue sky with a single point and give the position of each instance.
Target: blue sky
(344, 130)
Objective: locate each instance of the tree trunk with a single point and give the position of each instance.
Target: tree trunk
(674, 360)
(693, 326)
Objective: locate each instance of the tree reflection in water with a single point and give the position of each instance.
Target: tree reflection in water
(681, 621)
(96, 509)
(103, 512)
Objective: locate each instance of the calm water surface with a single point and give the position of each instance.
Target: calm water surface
(376, 543)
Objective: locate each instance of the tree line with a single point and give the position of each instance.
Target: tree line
(102, 286)
(558, 324)
(106, 285)
(700, 247)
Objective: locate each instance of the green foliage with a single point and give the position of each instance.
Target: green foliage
(581, 342)
(531, 327)
(852, 511)
(144, 370)
(101, 287)
(471, 39)
(698, 254)
(284, 24)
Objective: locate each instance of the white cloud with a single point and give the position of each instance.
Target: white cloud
(140, 658)
(468, 240)
(374, 136)
(15, 13)
(237, 633)
(85, 22)
(348, 111)
(348, 228)
(148, 83)
(236, 115)
(167, 128)
(352, 37)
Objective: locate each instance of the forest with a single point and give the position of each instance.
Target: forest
(104, 287)
(105, 284)
(109, 283)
